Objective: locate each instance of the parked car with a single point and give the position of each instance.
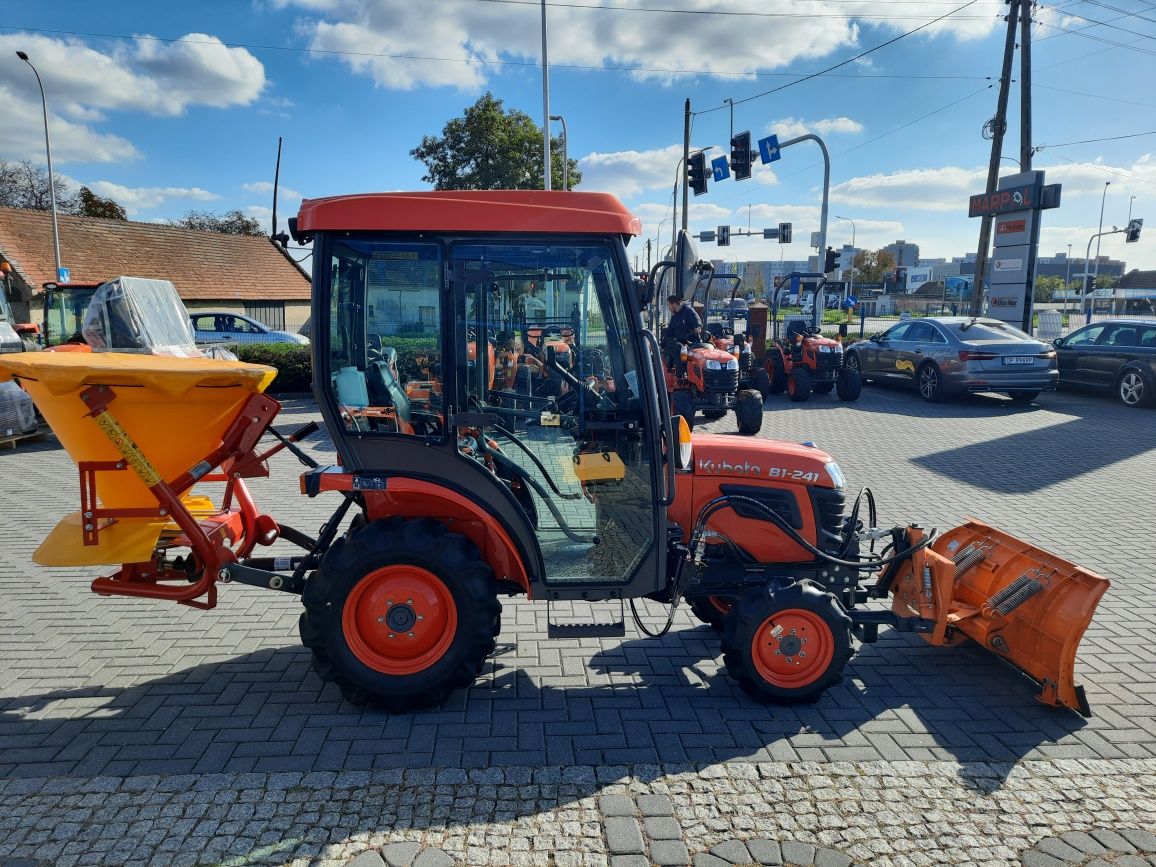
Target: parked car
(1115, 355)
(947, 355)
(212, 326)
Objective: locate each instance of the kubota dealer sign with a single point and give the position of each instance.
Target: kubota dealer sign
(1022, 198)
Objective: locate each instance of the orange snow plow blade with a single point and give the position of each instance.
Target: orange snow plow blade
(1018, 601)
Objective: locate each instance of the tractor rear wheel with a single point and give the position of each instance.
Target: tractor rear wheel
(849, 385)
(762, 382)
(749, 412)
(787, 645)
(681, 403)
(712, 610)
(776, 371)
(799, 384)
(401, 613)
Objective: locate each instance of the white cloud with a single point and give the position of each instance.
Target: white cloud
(400, 44)
(266, 188)
(628, 173)
(134, 199)
(86, 85)
(790, 127)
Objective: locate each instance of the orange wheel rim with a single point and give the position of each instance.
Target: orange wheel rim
(792, 648)
(720, 604)
(400, 619)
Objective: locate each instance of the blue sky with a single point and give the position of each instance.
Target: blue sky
(169, 106)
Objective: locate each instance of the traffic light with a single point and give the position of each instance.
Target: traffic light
(724, 236)
(696, 173)
(1132, 233)
(784, 233)
(741, 155)
(830, 260)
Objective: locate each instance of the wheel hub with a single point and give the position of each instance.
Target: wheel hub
(401, 618)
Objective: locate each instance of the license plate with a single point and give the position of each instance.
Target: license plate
(1019, 359)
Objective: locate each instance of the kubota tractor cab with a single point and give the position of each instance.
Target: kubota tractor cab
(462, 493)
(802, 361)
(699, 376)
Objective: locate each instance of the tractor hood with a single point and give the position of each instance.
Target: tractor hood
(755, 458)
(706, 352)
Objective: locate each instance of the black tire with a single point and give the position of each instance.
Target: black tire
(422, 544)
(713, 414)
(822, 388)
(929, 381)
(799, 384)
(851, 361)
(1023, 397)
(762, 382)
(711, 610)
(1133, 388)
(849, 384)
(805, 611)
(749, 412)
(681, 403)
(776, 371)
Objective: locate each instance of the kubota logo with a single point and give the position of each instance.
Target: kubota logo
(746, 468)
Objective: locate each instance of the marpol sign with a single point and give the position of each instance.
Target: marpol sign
(1021, 198)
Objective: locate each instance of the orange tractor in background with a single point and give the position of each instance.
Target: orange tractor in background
(598, 495)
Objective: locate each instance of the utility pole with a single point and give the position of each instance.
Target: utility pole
(1000, 126)
(547, 170)
(1025, 85)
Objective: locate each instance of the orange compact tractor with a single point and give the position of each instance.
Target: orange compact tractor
(803, 361)
(459, 494)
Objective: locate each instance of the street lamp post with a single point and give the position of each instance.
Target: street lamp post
(1067, 277)
(51, 180)
(1096, 267)
(853, 249)
(565, 151)
(547, 171)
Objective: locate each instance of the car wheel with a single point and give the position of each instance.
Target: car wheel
(1133, 389)
(930, 382)
(851, 362)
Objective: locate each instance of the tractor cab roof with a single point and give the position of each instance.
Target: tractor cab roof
(544, 211)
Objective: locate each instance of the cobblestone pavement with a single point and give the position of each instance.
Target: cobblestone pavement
(142, 732)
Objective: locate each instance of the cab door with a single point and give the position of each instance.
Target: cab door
(559, 406)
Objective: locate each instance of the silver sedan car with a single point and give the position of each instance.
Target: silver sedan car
(947, 355)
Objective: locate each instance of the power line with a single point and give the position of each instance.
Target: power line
(1094, 140)
(735, 12)
(1095, 23)
(859, 56)
(1095, 96)
(469, 60)
(1105, 170)
(1125, 11)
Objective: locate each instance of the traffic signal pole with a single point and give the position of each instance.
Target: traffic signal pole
(685, 162)
(818, 305)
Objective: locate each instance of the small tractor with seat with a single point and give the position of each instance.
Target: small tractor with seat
(603, 497)
(803, 361)
(707, 376)
(725, 335)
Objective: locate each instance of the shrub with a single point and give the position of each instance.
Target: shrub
(294, 364)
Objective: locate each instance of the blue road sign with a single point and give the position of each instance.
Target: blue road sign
(722, 171)
(769, 149)
(63, 275)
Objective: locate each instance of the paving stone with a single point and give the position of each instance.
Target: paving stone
(765, 851)
(623, 836)
(655, 805)
(1112, 840)
(1057, 848)
(1145, 841)
(1083, 842)
(734, 851)
(616, 805)
(629, 861)
(662, 828)
(433, 858)
(368, 859)
(669, 853)
(795, 852)
(831, 858)
(400, 854)
(1034, 858)
(705, 859)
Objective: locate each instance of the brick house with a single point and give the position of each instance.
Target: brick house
(237, 273)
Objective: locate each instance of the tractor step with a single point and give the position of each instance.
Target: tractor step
(573, 628)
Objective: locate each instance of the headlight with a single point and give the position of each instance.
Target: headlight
(733, 364)
(712, 364)
(836, 475)
(824, 348)
(838, 347)
(735, 350)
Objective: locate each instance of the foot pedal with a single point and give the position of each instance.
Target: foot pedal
(572, 628)
(1015, 594)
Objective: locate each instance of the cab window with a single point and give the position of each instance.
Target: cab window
(1086, 337)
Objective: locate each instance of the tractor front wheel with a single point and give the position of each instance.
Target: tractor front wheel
(776, 370)
(712, 610)
(749, 412)
(799, 384)
(401, 613)
(787, 645)
(762, 382)
(849, 385)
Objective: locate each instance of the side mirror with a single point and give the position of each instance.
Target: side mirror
(644, 290)
(1058, 342)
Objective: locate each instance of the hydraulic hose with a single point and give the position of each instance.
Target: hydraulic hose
(537, 463)
(500, 458)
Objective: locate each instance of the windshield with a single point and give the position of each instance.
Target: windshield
(985, 330)
(64, 310)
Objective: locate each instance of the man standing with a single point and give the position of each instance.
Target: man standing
(683, 328)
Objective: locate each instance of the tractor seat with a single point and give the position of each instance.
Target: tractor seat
(797, 326)
(385, 390)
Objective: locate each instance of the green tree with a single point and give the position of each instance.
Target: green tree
(229, 223)
(92, 205)
(872, 266)
(1107, 281)
(489, 148)
(1047, 286)
(24, 184)
(760, 285)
